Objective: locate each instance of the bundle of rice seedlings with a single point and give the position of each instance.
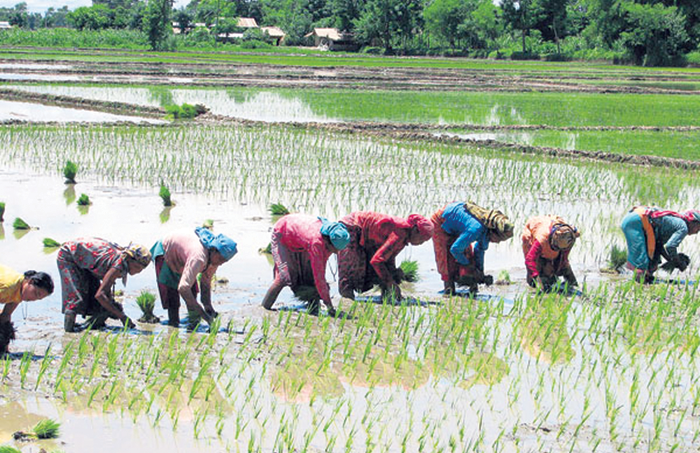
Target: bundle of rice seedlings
(2, 211)
(69, 172)
(47, 429)
(503, 278)
(278, 209)
(20, 224)
(164, 195)
(51, 243)
(147, 302)
(307, 293)
(84, 200)
(7, 334)
(617, 258)
(410, 270)
(208, 224)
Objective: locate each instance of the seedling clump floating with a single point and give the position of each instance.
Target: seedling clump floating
(147, 302)
(70, 170)
(164, 194)
(20, 224)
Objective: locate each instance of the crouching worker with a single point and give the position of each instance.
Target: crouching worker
(455, 228)
(16, 288)
(652, 233)
(89, 267)
(301, 245)
(547, 242)
(370, 257)
(179, 258)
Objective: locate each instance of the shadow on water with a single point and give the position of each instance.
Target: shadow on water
(69, 194)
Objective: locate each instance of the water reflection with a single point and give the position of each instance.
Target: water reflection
(542, 329)
(69, 194)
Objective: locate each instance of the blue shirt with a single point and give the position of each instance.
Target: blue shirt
(459, 222)
(670, 232)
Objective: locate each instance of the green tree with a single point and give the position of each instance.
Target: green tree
(554, 12)
(90, 18)
(443, 19)
(522, 15)
(156, 22)
(382, 20)
(655, 35)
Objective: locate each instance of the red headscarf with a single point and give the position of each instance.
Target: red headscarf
(423, 226)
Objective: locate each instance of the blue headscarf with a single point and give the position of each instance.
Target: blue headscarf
(222, 243)
(336, 232)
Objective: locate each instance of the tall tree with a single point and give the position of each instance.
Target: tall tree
(382, 20)
(555, 13)
(522, 15)
(156, 22)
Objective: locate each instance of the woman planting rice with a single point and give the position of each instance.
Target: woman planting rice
(179, 258)
(89, 267)
(370, 257)
(652, 233)
(301, 246)
(455, 228)
(547, 242)
(15, 288)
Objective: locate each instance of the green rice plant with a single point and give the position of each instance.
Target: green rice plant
(617, 258)
(69, 171)
(164, 194)
(51, 243)
(20, 224)
(267, 250)
(208, 224)
(47, 429)
(410, 270)
(2, 211)
(147, 302)
(84, 200)
(278, 209)
(503, 278)
(8, 449)
(184, 111)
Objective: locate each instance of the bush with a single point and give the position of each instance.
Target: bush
(255, 44)
(519, 55)
(557, 57)
(693, 58)
(184, 111)
(373, 50)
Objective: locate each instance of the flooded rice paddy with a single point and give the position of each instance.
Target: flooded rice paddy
(610, 369)
(613, 370)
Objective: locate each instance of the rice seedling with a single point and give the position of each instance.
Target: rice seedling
(20, 224)
(51, 243)
(410, 270)
(146, 301)
(2, 211)
(278, 209)
(617, 258)
(8, 449)
(208, 224)
(164, 195)
(47, 429)
(84, 200)
(70, 170)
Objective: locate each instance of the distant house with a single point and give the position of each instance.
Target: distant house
(276, 34)
(332, 39)
(246, 22)
(4, 25)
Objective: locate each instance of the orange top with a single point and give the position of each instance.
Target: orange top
(538, 229)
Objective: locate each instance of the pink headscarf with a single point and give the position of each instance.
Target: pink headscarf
(689, 216)
(423, 226)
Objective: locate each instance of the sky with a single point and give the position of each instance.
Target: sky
(39, 6)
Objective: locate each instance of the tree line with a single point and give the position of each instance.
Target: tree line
(644, 32)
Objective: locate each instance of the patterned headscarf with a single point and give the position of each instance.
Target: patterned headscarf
(423, 226)
(493, 219)
(563, 236)
(336, 232)
(138, 253)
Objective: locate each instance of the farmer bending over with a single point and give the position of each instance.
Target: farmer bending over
(455, 228)
(370, 257)
(547, 242)
(301, 246)
(179, 258)
(15, 288)
(652, 233)
(89, 267)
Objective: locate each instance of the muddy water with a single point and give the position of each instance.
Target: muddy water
(24, 111)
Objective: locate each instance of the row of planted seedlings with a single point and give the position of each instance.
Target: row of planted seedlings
(615, 369)
(333, 174)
